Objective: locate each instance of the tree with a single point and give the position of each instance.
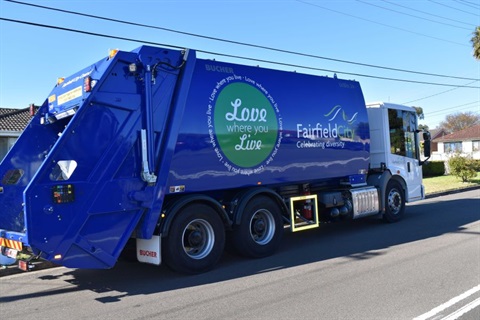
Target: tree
(476, 43)
(459, 121)
(423, 127)
(419, 111)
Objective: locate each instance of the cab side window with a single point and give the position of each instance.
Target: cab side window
(402, 133)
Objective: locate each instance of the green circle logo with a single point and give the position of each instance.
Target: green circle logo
(245, 124)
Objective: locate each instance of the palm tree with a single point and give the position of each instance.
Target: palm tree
(476, 43)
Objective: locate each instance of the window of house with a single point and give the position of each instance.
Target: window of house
(3, 147)
(453, 147)
(6, 144)
(476, 145)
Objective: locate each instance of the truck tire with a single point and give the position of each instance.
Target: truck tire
(394, 202)
(260, 231)
(195, 241)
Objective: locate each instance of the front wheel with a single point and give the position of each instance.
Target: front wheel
(394, 202)
(261, 228)
(195, 241)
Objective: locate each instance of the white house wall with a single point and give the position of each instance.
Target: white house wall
(467, 150)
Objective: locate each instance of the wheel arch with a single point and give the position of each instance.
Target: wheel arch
(380, 180)
(178, 204)
(403, 184)
(242, 199)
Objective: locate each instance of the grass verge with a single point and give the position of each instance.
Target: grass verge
(448, 183)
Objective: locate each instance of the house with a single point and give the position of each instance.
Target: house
(465, 142)
(434, 135)
(12, 124)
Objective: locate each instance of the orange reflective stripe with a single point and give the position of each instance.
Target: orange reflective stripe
(17, 245)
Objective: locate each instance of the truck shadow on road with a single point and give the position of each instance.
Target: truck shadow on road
(350, 241)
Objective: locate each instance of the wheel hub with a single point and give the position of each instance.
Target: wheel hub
(195, 238)
(259, 226)
(262, 227)
(394, 202)
(198, 239)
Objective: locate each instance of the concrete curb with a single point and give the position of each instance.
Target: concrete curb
(444, 193)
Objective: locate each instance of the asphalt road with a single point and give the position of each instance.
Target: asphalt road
(425, 267)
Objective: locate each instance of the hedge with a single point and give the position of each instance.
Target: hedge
(433, 169)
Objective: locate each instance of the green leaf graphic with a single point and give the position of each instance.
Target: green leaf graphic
(333, 109)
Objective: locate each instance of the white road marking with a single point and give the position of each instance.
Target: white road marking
(448, 304)
(457, 314)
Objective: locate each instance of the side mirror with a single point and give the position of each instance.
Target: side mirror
(426, 144)
(427, 139)
(426, 136)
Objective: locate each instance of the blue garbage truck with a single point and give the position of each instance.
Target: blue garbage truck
(181, 155)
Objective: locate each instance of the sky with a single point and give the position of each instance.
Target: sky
(412, 52)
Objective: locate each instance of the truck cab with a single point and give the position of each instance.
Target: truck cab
(395, 144)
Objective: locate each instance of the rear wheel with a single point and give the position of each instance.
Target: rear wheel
(261, 228)
(195, 241)
(394, 202)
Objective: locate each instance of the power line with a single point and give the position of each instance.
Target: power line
(90, 33)
(450, 108)
(229, 55)
(411, 15)
(469, 4)
(237, 42)
(382, 24)
(437, 94)
(441, 117)
(442, 4)
(428, 13)
(451, 111)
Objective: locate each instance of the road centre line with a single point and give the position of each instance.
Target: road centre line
(448, 304)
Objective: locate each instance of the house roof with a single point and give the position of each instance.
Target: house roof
(14, 119)
(435, 134)
(471, 133)
(438, 133)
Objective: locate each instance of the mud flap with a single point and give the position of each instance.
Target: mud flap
(148, 250)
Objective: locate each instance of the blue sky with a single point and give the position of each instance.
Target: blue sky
(427, 36)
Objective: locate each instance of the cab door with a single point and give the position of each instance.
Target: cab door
(404, 152)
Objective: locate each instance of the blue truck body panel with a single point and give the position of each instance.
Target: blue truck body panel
(314, 128)
(216, 126)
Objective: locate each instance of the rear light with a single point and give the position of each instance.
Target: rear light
(63, 194)
(25, 265)
(112, 53)
(87, 84)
